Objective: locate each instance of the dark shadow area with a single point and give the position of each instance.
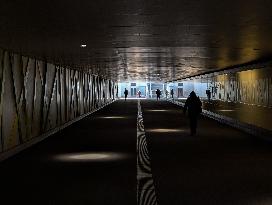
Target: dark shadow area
(220, 165)
(91, 162)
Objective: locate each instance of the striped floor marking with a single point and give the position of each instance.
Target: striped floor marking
(145, 185)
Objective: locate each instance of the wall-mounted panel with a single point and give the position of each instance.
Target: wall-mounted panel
(36, 97)
(249, 87)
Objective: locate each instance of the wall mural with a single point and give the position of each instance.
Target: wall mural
(36, 96)
(249, 87)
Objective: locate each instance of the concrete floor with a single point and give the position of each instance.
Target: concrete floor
(220, 165)
(94, 162)
(59, 171)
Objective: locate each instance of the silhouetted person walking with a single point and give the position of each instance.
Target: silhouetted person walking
(158, 93)
(208, 93)
(172, 93)
(193, 104)
(139, 93)
(126, 94)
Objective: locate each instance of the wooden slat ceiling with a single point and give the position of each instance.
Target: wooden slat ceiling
(139, 39)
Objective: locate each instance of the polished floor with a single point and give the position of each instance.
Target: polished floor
(94, 161)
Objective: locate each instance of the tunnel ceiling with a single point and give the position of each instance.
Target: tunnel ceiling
(139, 39)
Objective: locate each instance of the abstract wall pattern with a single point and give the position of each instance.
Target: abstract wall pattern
(249, 87)
(36, 97)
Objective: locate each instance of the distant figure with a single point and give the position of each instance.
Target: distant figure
(126, 94)
(166, 93)
(172, 93)
(208, 93)
(193, 104)
(139, 93)
(158, 93)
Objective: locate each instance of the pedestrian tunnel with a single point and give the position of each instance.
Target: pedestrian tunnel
(93, 94)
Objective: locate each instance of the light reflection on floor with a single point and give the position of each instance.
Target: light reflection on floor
(165, 130)
(158, 110)
(226, 110)
(113, 117)
(90, 157)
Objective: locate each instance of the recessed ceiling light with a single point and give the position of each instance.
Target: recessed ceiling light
(83, 45)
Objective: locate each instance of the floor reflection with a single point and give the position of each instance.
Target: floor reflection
(112, 117)
(165, 130)
(90, 157)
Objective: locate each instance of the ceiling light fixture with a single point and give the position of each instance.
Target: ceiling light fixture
(83, 45)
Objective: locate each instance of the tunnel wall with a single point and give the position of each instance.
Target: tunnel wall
(252, 86)
(36, 97)
(248, 84)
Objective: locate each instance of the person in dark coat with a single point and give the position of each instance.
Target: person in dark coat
(158, 93)
(126, 94)
(208, 93)
(172, 93)
(193, 105)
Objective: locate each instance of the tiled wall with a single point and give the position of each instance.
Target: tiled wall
(36, 96)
